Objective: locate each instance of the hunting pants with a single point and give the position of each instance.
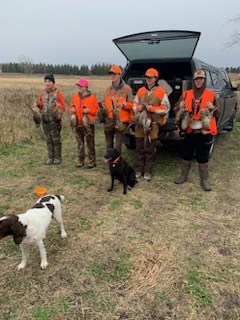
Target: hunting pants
(52, 132)
(146, 155)
(109, 136)
(89, 135)
(198, 144)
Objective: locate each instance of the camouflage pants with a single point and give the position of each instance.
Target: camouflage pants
(52, 132)
(89, 135)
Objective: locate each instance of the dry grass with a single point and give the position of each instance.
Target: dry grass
(161, 252)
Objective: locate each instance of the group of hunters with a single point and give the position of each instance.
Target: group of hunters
(196, 114)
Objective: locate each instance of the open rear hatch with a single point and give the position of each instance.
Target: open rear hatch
(169, 44)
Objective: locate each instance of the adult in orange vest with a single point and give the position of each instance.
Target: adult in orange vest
(118, 99)
(198, 127)
(83, 108)
(51, 105)
(153, 100)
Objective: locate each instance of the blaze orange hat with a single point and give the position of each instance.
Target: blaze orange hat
(152, 73)
(199, 74)
(115, 69)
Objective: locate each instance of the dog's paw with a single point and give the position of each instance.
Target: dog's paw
(44, 265)
(109, 190)
(21, 266)
(64, 234)
(124, 192)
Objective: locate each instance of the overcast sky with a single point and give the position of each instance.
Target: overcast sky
(78, 32)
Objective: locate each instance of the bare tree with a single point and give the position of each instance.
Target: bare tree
(26, 64)
(235, 37)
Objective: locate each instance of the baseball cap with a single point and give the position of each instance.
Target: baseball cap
(152, 73)
(82, 83)
(199, 74)
(115, 69)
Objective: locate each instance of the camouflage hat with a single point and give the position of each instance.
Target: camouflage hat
(199, 74)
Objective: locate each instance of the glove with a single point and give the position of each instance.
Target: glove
(209, 105)
(149, 107)
(85, 110)
(182, 104)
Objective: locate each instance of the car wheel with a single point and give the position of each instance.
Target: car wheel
(212, 147)
(230, 123)
(129, 141)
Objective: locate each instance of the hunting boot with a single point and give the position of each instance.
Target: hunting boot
(140, 159)
(203, 171)
(150, 157)
(50, 153)
(184, 172)
(57, 153)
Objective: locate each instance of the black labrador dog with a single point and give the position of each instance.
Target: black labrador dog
(120, 170)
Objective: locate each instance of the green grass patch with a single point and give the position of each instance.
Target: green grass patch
(112, 270)
(196, 286)
(42, 313)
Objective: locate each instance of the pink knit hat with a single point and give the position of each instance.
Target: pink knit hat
(82, 83)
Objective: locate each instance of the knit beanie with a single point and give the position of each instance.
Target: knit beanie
(50, 77)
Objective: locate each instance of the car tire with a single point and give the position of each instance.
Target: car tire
(230, 124)
(212, 147)
(129, 141)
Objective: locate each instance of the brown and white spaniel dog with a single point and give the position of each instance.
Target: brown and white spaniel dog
(31, 227)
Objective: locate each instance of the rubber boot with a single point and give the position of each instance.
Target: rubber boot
(184, 173)
(203, 172)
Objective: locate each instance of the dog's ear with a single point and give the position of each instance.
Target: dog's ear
(5, 227)
(19, 230)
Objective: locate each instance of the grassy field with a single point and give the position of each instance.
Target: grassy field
(161, 252)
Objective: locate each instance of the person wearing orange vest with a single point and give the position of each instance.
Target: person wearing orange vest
(154, 100)
(51, 105)
(83, 109)
(118, 99)
(197, 135)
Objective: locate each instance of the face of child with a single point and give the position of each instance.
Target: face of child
(199, 82)
(48, 85)
(115, 77)
(81, 89)
(150, 81)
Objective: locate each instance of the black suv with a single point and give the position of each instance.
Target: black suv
(171, 53)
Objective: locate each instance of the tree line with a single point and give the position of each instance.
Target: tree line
(233, 70)
(66, 69)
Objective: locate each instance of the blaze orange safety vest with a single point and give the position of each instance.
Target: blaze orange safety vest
(155, 99)
(111, 99)
(194, 106)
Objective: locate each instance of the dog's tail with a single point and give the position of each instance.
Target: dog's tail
(60, 197)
